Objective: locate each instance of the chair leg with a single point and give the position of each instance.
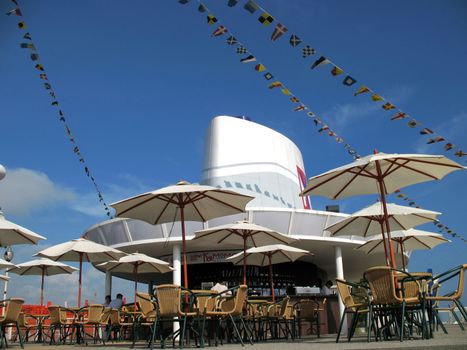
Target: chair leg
(19, 336)
(340, 327)
(353, 326)
(457, 319)
(461, 309)
(236, 329)
(401, 330)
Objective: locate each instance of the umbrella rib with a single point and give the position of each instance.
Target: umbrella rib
(325, 181)
(197, 210)
(348, 223)
(367, 227)
(414, 170)
(398, 222)
(25, 237)
(358, 173)
(163, 210)
(138, 204)
(224, 203)
(422, 243)
(277, 238)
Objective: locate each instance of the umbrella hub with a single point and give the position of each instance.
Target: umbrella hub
(182, 182)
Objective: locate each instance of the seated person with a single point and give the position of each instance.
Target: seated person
(326, 290)
(117, 303)
(107, 301)
(221, 287)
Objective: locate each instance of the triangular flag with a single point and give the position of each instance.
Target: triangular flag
(250, 6)
(278, 31)
(266, 19)
(336, 71)
(362, 90)
(376, 97)
(275, 84)
(259, 67)
(248, 59)
(426, 131)
(400, 115)
(16, 12)
(219, 31)
(388, 106)
(320, 61)
(348, 80)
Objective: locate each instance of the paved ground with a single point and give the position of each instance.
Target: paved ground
(455, 340)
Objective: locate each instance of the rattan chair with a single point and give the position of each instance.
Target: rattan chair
(231, 309)
(453, 297)
(26, 327)
(390, 301)
(148, 317)
(10, 318)
(117, 325)
(170, 309)
(308, 311)
(58, 321)
(98, 318)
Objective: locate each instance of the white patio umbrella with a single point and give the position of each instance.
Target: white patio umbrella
(81, 250)
(182, 202)
(370, 220)
(243, 233)
(380, 174)
(43, 267)
(137, 263)
(268, 255)
(6, 264)
(406, 240)
(12, 234)
(4, 278)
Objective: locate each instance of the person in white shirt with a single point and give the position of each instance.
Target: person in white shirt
(117, 302)
(326, 290)
(219, 288)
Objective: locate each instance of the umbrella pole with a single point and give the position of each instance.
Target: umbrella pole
(402, 254)
(244, 260)
(185, 268)
(135, 271)
(384, 242)
(42, 286)
(80, 275)
(386, 217)
(271, 279)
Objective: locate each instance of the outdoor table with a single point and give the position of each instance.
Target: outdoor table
(39, 325)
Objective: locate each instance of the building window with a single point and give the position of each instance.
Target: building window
(267, 194)
(238, 185)
(275, 197)
(257, 189)
(227, 183)
(248, 187)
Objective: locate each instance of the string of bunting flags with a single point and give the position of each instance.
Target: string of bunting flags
(273, 84)
(279, 29)
(29, 45)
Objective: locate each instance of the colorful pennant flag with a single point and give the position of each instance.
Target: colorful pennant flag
(275, 85)
(278, 31)
(266, 19)
(268, 76)
(400, 115)
(294, 40)
(231, 40)
(250, 6)
(320, 62)
(376, 97)
(260, 68)
(39, 67)
(448, 146)
(34, 57)
(413, 123)
(426, 131)
(362, 90)
(248, 59)
(348, 80)
(183, 2)
(294, 99)
(299, 108)
(308, 51)
(16, 12)
(460, 153)
(211, 19)
(202, 8)
(232, 3)
(336, 71)
(324, 128)
(27, 36)
(22, 25)
(435, 140)
(286, 92)
(43, 76)
(219, 31)
(388, 106)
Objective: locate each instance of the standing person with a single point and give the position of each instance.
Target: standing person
(117, 302)
(326, 290)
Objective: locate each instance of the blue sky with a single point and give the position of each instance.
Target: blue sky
(139, 82)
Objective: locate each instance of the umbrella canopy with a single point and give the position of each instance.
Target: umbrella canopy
(381, 174)
(243, 233)
(137, 263)
(397, 171)
(11, 234)
(268, 255)
(81, 250)
(368, 221)
(182, 202)
(406, 240)
(43, 267)
(6, 264)
(4, 278)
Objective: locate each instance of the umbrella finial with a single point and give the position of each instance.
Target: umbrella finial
(182, 182)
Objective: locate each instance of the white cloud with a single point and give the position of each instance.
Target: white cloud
(24, 191)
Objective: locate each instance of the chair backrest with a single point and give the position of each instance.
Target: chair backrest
(460, 285)
(145, 305)
(168, 299)
(22, 322)
(382, 285)
(240, 299)
(105, 316)
(345, 293)
(206, 301)
(308, 309)
(12, 310)
(115, 317)
(95, 312)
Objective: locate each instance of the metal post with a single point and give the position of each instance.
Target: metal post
(340, 275)
(108, 283)
(176, 274)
